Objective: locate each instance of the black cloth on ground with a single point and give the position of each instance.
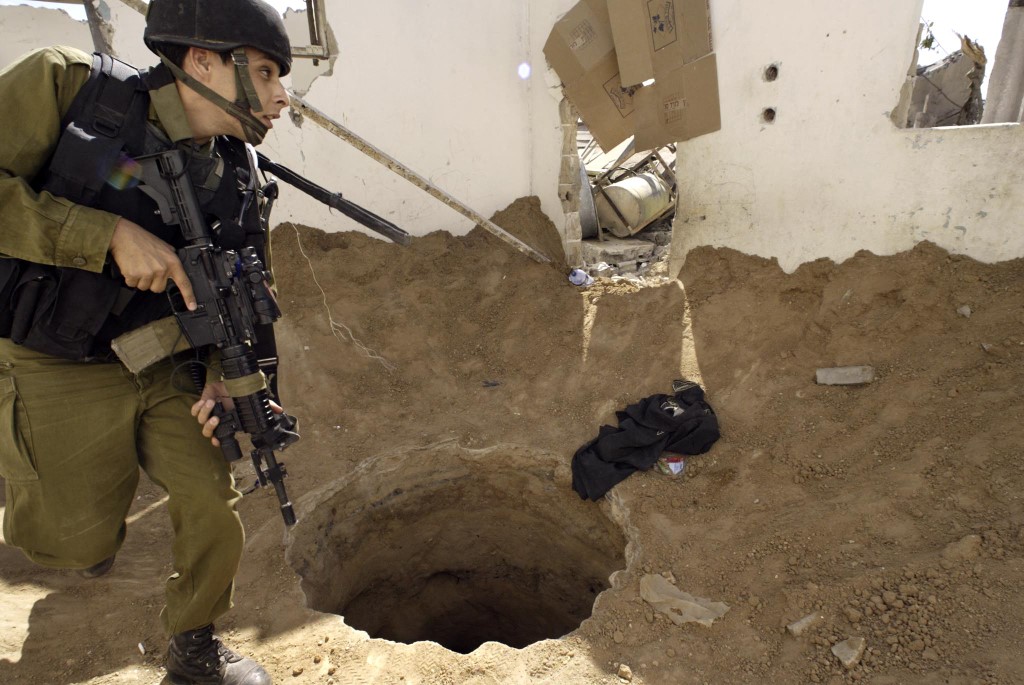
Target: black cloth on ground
(683, 423)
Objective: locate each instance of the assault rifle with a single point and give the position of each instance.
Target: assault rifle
(233, 297)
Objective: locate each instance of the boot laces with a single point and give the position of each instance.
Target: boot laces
(206, 648)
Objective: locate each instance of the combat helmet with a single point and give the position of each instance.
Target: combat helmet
(222, 26)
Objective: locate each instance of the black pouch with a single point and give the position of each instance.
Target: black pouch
(59, 312)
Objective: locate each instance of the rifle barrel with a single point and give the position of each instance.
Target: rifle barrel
(335, 201)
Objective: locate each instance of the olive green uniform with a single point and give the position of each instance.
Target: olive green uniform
(74, 435)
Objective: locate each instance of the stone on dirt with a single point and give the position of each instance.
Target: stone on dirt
(849, 651)
(964, 549)
(845, 375)
(798, 628)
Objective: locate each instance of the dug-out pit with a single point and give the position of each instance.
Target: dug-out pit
(457, 547)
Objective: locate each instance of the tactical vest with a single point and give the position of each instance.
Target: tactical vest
(73, 313)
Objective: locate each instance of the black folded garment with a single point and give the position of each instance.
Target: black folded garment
(683, 423)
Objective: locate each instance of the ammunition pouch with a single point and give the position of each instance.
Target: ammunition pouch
(56, 311)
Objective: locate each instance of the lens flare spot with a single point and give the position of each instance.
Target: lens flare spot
(126, 173)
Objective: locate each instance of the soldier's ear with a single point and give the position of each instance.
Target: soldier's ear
(199, 64)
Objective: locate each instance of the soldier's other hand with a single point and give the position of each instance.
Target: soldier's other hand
(203, 408)
(146, 262)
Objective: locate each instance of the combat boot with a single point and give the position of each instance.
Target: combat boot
(97, 570)
(198, 657)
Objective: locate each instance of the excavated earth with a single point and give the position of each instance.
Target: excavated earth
(442, 390)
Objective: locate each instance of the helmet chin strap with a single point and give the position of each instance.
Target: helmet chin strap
(247, 102)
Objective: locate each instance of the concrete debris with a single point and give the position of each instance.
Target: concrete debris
(845, 375)
(798, 628)
(850, 651)
(946, 93)
(681, 607)
(964, 311)
(621, 255)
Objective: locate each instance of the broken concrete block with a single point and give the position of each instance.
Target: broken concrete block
(798, 628)
(617, 251)
(849, 651)
(846, 375)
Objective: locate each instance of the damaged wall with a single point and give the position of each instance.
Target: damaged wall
(26, 28)
(434, 84)
(831, 174)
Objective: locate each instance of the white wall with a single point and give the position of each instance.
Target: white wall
(433, 84)
(833, 175)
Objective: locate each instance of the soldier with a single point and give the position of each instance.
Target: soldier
(84, 258)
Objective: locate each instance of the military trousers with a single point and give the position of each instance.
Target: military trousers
(73, 437)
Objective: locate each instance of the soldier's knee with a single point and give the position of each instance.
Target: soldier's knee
(77, 553)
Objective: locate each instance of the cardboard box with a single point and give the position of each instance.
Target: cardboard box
(680, 105)
(608, 109)
(580, 41)
(581, 51)
(655, 37)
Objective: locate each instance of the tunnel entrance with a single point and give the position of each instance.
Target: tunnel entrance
(457, 547)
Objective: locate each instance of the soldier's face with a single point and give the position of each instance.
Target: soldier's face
(266, 79)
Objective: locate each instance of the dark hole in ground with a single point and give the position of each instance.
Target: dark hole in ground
(458, 548)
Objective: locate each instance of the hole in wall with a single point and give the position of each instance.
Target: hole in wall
(458, 547)
(768, 115)
(771, 72)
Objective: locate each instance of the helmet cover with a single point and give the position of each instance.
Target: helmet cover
(219, 25)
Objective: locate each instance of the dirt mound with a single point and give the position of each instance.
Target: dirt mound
(889, 511)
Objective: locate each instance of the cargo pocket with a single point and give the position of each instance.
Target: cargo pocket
(15, 461)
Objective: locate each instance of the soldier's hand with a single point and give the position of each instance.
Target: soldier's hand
(146, 262)
(203, 408)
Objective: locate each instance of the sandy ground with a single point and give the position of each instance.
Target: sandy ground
(889, 511)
